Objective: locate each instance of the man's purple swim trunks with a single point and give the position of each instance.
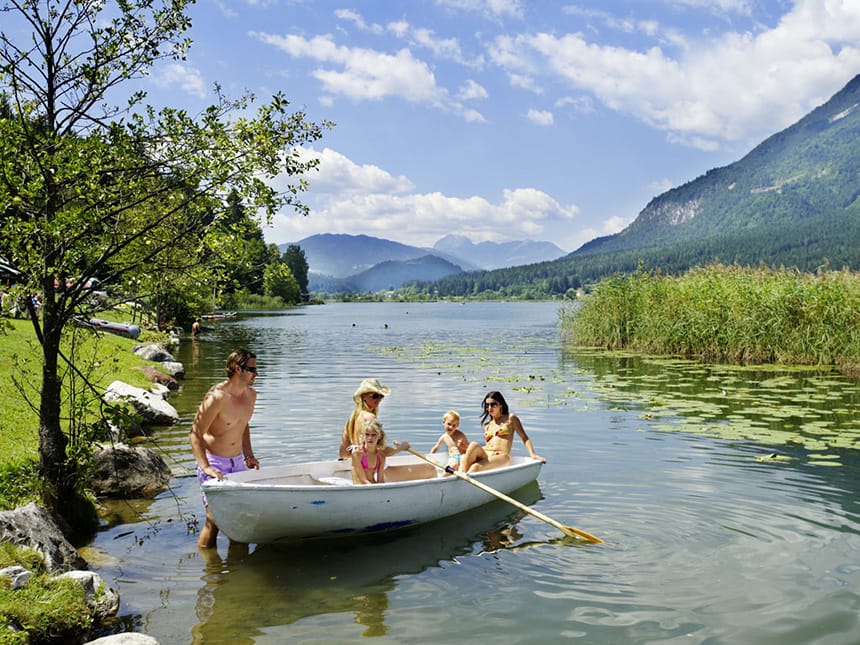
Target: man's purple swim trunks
(224, 464)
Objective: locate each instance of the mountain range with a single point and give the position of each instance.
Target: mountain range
(807, 171)
(346, 263)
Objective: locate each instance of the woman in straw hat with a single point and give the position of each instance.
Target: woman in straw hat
(367, 398)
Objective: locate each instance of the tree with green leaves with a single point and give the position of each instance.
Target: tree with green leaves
(120, 192)
(249, 254)
(295, 258)
(279, 281)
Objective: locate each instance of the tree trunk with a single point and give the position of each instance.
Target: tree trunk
(53, 466)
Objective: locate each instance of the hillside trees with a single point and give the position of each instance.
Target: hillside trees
(243, 251)
(279, 281)
(295, 258)
(118, 192)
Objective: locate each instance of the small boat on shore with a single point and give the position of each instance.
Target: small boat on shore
(318, 499)
(120, 329)
(223, 315)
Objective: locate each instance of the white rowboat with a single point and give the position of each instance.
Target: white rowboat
(318, 499)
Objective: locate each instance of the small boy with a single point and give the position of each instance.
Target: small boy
(453, 439)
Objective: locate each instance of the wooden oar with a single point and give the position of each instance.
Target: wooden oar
(570, 531)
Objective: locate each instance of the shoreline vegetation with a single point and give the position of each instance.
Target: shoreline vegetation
(726, 314)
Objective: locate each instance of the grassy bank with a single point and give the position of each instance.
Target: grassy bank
(47, 609)
(726, 314)
(102, 358)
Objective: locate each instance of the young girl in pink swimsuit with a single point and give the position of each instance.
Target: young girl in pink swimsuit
(368, 459)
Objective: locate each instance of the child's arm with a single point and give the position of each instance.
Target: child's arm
(390, 451)
(438, 444)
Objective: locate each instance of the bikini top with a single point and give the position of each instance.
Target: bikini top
(504, 431)
(366, 465)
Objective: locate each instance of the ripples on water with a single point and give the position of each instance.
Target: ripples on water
(706, 544)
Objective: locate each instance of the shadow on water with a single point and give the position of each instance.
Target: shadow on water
(280, 584)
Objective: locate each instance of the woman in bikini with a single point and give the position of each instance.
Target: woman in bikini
(499, 428)
(368, 459)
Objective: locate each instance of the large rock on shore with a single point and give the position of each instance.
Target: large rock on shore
(153, 352)
(157, 376)
(120, 471)
(152, 407)
(127, 638)
(102, 601)
(33, 527)
(159, 354)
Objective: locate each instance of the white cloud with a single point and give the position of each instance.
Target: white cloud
(473, 116)
(362, 74)
(540, 117)
(421, 37)
(661, 186)
(185, 77)
(356, 18)
(471, 91)
(614, 225)
(357, 199)
(442, 48)
(609, 226)
(490, 8)
(524, 82)
(729, 87)
(582, 104)
(338, 175)
(367, 75)
(730, 6)
(447, 48)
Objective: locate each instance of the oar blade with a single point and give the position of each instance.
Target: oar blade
(572, 531)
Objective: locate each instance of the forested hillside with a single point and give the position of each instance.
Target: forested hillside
(808, 170)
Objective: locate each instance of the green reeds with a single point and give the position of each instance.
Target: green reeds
(727, 314)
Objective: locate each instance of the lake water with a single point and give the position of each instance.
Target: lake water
(728, 498)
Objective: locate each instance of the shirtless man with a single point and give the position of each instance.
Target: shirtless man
(220, 435)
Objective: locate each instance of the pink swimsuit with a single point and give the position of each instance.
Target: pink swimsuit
(366, 465)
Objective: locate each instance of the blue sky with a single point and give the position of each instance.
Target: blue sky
(506, 119)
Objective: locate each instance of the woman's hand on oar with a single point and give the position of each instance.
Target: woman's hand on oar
(570, 531)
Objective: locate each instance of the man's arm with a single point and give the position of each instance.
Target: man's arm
(250, 460)
(207, 412)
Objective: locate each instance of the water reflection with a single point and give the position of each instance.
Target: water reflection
(280, 584)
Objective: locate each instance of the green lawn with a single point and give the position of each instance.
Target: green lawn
(104, 357)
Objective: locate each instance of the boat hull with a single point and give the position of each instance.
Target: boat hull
(120, 329)
(296, 502)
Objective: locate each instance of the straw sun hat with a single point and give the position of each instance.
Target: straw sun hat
(370, 385)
